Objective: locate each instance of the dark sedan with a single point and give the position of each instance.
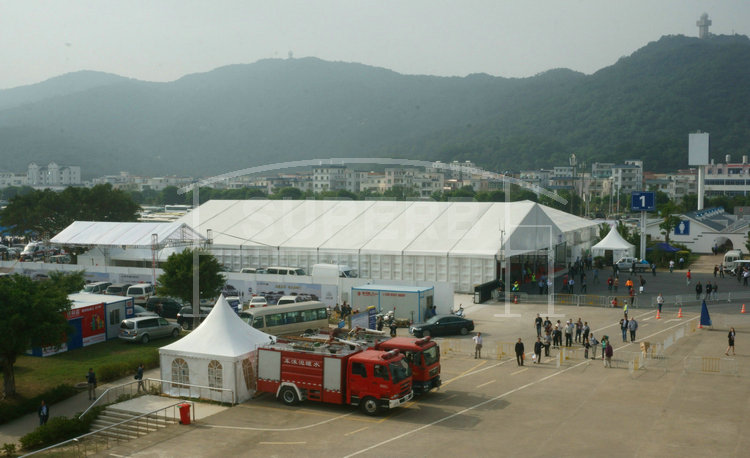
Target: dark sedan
(441, 325)
(165, 307)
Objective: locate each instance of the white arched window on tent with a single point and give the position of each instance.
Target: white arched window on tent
(215, 375)
(180, 373)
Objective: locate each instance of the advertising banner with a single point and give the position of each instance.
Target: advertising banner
(92, 324)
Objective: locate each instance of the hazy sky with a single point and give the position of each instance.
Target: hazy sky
(162, 40)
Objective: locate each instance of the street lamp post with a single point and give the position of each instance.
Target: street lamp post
(573, 164)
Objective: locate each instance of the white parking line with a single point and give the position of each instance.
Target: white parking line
(250, 428)
(500, 396)
(487, 383)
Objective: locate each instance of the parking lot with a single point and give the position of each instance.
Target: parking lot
(493, 407)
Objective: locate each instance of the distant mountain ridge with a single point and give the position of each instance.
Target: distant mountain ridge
(238, 116)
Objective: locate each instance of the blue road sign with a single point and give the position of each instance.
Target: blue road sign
(683, 228)
(642, 201)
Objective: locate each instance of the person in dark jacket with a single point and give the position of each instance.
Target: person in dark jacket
(91, 380)
(538, 350)
(519, 352)
(43, 413)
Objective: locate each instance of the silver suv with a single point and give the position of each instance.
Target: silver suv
(143, 329)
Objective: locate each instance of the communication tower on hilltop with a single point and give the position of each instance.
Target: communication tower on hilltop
(703, 24)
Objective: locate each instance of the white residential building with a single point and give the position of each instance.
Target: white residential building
(53, 175)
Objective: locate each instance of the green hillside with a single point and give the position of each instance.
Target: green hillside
(642, 107)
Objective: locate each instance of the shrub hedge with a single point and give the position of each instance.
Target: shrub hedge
(59, 429)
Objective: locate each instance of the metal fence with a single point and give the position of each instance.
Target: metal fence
(157, 387)
(97, 441)
(710, 365)
(684, 300)
(593, 300)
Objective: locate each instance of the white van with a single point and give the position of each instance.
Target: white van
(285, 271)
(253, 270)
(333, 270)
(283, 300)
(141, 292)
(731, 256)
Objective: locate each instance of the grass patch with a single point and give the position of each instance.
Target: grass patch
(111, 360)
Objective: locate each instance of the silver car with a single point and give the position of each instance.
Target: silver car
(143, 329)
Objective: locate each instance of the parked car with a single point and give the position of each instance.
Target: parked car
(253, 270)
(625, 263)
(185, 316)
(117, 289)
(99, 287)
(143, 329)
(258, 301)
(440, 325)
(164, 306)
(140, 311)
(140, 292)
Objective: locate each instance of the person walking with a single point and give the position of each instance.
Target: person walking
(478, 346)
(671, 266)
(624, 329)
(519, 352)
(538, 324)
(682, 262)
(716, 271)
(579, 329)
(547, 342)
(610, 282)
(608, 352)
(659, 301)
(653, 269)
(698, 290)
(569, 333)
(586, 331)
(632, 326)
(605, 340)
(91, 380)
(687, 276)
(731, 336)
(538, 351)
(642, 288)
(594, 344)
(721, 270)
(715, 290)
(617, 283)
(139, 377)
(625, 309)
(43, 413)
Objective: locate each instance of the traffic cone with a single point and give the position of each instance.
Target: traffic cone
(515, 299)
(679, 313)
(743, 309)
(658, 315)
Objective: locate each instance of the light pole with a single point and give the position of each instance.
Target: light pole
(573, 164)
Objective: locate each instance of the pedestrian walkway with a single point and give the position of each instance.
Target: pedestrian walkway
(13, 431)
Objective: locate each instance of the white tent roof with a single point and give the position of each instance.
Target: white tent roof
(613, 241)
(97, 233)
(383, 227)
(222, 333)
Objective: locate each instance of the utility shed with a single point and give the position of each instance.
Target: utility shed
(406, 301)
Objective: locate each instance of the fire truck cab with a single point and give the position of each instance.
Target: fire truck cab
(422, 355)
(335, 373)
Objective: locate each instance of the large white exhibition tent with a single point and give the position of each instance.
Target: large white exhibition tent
(614, 241)
(219, 356)
(457, 242)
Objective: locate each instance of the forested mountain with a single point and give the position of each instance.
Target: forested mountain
(642, 107)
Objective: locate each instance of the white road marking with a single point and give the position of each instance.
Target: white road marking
(281, 443)
(485, 384)
(356, 431)
(518, 372)
(298, 428)
(498, 397)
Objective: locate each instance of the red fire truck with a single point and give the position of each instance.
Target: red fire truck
(334, 372)
(422, 355)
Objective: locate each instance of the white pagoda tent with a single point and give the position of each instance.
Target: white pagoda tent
(216, 360)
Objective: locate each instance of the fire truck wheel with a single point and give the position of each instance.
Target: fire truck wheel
(370, 406)
(464, 331)
(288, 396)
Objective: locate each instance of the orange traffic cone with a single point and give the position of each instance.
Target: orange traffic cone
(658, 315)
(743, 309)
(679, 313)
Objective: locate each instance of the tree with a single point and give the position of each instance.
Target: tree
(177, 279)
(33, 315)
(48, 212)
(68, 282)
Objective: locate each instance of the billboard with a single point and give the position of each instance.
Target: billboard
(92, 323)
(698, 149)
